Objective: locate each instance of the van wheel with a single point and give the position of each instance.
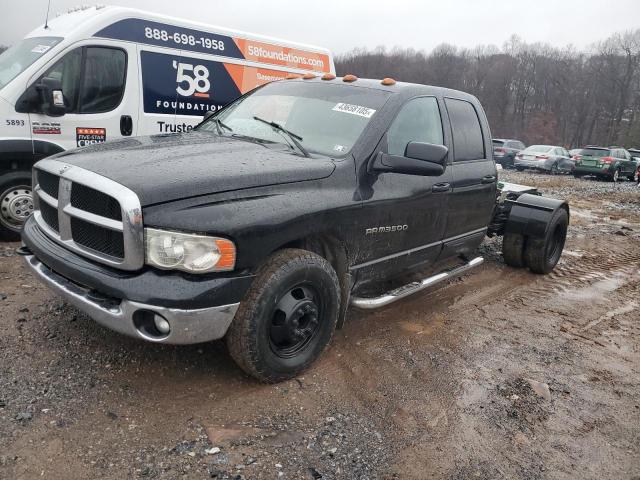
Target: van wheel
(16, 204)
(542, 255)
(288, 317)
(512, 249)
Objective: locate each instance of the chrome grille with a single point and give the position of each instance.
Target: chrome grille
(89, 214)
(93, 201)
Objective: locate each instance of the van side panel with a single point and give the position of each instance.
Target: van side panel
(148, 32)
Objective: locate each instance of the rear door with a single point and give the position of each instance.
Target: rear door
(99, 85)
(472, 198)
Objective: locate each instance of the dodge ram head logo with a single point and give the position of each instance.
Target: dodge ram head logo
(386, 229)
(195, 78)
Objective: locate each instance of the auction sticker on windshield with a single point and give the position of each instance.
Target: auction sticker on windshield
(354, 110)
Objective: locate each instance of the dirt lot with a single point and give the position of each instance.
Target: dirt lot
(438, 386)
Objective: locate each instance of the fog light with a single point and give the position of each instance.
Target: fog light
(161, 324)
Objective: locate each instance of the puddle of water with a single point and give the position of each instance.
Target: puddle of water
(596, 291)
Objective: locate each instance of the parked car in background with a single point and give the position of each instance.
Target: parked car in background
(548, 158)
(611, 163)
(505, 151)
(635, 153)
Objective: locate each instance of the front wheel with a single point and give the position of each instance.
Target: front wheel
(288, 317)
(554, 169)
(16, 204)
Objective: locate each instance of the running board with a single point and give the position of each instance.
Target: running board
(414, 287)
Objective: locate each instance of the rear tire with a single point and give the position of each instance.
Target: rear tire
(16, 204)
(513, 250)
(520, 169)
(615, 177)
(554, 169)
(287, 318)
(542, 254)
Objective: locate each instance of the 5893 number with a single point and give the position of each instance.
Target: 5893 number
(15, 123)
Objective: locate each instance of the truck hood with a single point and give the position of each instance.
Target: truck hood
(163, 168)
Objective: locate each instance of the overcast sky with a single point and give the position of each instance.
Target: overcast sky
(344, 24)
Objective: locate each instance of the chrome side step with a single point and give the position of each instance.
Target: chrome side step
(414, 287)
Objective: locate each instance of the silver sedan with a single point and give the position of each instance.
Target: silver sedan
(548, 158)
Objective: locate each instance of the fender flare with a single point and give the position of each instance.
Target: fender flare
(530, 215)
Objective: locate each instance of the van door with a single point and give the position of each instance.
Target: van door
(99, 84)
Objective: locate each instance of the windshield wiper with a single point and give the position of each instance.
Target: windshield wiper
(295, 138)
(220, 125)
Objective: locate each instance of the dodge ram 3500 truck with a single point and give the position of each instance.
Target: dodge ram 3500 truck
(277, 213)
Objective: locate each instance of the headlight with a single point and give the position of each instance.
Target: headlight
(188, 252)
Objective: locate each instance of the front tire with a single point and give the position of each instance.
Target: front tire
(16, 204)
(542, 254)
(287, 318)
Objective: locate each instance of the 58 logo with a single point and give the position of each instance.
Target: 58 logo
(196, 79)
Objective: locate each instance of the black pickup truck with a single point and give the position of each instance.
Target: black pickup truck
(298, 200)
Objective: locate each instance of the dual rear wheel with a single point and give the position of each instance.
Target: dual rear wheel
(540, 255)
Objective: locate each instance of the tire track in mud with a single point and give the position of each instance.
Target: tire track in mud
(575, 273)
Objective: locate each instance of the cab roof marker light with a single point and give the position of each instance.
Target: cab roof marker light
(388, 81)
(308, 76)
(328, 76)
(349, 78)
(292, 76)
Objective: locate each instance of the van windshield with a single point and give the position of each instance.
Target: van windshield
(16, 59)
(326, 119)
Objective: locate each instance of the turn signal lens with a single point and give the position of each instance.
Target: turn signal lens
(328, 76)
(349, 78)
(292, 76)
(191, 253)
(308, 76)
(388, 81)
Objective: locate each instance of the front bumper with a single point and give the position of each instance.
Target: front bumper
(198, 308)
(135, 319)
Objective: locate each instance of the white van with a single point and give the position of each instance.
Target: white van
(100, 73)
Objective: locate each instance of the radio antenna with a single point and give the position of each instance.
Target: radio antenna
(46, 20)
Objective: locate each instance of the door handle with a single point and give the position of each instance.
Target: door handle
(126, 125)
(488, 179)
(441, 187)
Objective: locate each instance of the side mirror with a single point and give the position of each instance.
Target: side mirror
(51, 97)
(424, 159)
(427, 152)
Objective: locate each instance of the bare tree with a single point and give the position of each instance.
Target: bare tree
(536, 92)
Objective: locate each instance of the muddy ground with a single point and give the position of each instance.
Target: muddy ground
(437, 386)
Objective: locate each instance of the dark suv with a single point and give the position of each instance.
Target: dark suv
(611, 163)
(505, 151)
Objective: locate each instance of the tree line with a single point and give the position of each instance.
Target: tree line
(531, 91)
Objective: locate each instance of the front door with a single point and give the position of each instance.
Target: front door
(100, 91)
(404, 216)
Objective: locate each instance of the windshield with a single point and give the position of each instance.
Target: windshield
(17, 58)
(537, 149)
(323, 118)
(594, 152)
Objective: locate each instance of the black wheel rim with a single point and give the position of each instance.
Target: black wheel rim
(295, 320)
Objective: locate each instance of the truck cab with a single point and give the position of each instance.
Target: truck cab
(279, 212)
(104, 73)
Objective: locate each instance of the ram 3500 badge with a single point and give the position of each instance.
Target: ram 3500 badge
(277, 213)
